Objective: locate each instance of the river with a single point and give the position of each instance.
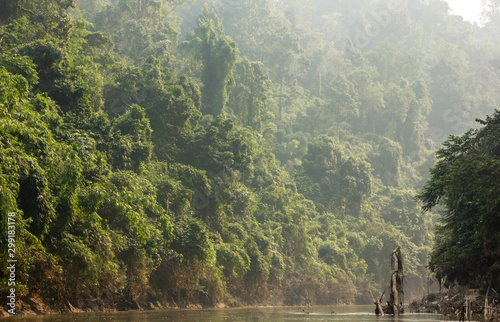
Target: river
(333, 313)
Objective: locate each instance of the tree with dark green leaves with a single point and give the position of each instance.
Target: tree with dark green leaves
(217, 53)
(248, 99)
(335, 182)
(465, 183)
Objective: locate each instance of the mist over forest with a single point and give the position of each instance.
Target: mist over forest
(168, 153)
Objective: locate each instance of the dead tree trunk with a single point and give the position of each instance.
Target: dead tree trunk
(487, 308)
(396, 300)
(378, 305)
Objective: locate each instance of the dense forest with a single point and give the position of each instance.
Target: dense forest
(162, 153)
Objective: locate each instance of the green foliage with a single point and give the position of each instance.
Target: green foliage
(134, 146)
(335, 182)
(262, 160)
(464, 182)
(218, 55)
(249, 96)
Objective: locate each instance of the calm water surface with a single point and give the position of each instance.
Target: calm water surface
(334, 313)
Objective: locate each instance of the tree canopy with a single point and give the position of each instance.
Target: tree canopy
(245, 152)
(465, 182)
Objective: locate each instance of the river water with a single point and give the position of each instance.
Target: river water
(333, 313)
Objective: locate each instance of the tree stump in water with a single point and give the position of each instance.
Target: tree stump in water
(395, 303)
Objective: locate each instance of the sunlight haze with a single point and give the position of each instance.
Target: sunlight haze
(241, 160)
(469, 9)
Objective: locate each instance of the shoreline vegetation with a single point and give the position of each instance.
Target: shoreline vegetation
(36, 307)
(460, 303)
(244, 152)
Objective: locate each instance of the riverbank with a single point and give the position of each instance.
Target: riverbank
(114, 302)
(461, 303)
(35, 307)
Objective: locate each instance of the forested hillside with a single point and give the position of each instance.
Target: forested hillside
(168, 152)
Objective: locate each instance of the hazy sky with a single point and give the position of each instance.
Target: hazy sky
(469, 9)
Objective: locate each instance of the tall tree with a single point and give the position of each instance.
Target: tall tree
(465, 183)
(218, 56)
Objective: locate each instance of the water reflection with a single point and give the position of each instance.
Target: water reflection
(334, 313)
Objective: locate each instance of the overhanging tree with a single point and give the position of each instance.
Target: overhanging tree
(465, 182)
